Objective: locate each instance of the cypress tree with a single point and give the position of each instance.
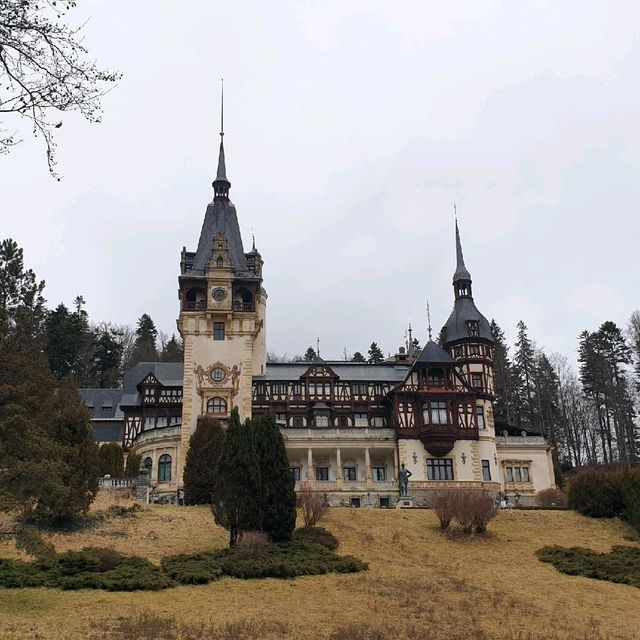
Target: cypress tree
(132, 466)
(236, 491)
(200, 466)
(111, 460)
(278, 498)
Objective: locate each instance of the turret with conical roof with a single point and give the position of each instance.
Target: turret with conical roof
(465, 320)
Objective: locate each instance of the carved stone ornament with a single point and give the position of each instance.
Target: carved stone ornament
(216, 376)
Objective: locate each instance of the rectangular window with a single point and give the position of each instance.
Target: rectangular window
(297, 421)
(476, 380)
(322, 421)
(296, 389)
(377, 421)
(322, 474)
(343, 421)
(149, 423)
(439, 412)
(384, 502)
(360, 420)
(281, 418)
(458, 352)
(440, 469)
(218, 330)
(379, 474)
(355, 502)
(509, 474)
(360, 389)
(279, 389)
(296, 473)
(350, 474)
(162, 422)
(474, 349)
(480, 417)
(486, 471)
(525, 474)
(516, 474)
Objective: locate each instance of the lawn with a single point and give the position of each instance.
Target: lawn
(420, 584)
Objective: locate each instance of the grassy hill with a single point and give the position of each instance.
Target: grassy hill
(420, 584)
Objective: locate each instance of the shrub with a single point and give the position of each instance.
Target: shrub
(552, 498)
(621, 565)
(631, 497)
(443, 503)
(74, 562)
(318, 535)
(18, 574)
(597, 492)
(198, 569)
(313, 505)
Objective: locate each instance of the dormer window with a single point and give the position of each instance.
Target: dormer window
(435, 377)
(473, 328)
(219, 262)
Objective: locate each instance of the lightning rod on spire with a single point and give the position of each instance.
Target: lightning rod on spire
(221, 107)
(429, 320)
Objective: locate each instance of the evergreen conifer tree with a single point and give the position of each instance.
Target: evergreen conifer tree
(172, 351)
(503, 377)
(132, 466)
(375, 354)
(309, 354)
(358, 357)
(524, 369)
(278, 498)
(69, 342)
(144, 348)
(236, 491)
(111, 460)
(107, 355)
(202, 457)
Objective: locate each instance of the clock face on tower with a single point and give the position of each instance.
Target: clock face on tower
(219, 294)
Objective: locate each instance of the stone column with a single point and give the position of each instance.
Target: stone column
(396, 466)
(310, 476)
(367, 467)
(339, 469)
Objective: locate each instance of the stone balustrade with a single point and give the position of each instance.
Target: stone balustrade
(108, 483)
(521, 441)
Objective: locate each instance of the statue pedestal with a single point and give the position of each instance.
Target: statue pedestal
(405, 502)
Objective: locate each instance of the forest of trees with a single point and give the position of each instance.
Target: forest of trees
(590, 415)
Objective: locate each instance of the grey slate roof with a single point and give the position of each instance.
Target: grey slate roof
(220, 217)
(169, 374)
(461, 272)
(347, 371)
(112, 431)
(433, 354)
(464, 309)
(104, 404)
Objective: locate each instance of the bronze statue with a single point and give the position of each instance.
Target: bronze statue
(403, 477)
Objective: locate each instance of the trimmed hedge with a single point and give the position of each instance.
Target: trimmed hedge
(319, 535)
(621, 565)
(607, 492)
(93, 568)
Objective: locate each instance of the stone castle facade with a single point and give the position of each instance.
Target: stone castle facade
(347, 426)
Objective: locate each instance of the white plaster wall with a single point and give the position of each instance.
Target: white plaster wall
(540, 465)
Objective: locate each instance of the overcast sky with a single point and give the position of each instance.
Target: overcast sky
(351, 128)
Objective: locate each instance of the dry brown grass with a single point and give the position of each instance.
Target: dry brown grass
(419, 581)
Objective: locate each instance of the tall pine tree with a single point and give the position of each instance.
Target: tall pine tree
(278, 498)
(236, 490)
(524, 369)
(202, 457)
(145, 346)
(505, 388)
(375, 354)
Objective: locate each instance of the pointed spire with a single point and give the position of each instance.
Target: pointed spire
(221, 185)
(429, 322)
(461, 271)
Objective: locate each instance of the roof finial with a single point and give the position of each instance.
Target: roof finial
(318, 347)
(221, 185)
(221, 107)
(253, 237)
(429, 320)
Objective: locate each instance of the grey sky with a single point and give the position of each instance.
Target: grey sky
(352, 126)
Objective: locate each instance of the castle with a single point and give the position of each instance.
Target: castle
(347, 426)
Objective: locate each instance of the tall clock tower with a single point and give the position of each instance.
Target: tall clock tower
(222, 316)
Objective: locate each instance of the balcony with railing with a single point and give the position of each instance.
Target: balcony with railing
(521, 441)
(194, 305)
(243, 306)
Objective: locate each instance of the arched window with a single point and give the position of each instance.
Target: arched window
(164, 468)
(148, 464)
(217, 405)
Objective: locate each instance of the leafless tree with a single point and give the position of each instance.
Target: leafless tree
(45, 70)
(313, 505)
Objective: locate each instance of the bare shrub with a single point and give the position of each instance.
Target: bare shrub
(553, 498)
(251, 541)
(313, 505)
(443, 503)
(472, 509)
